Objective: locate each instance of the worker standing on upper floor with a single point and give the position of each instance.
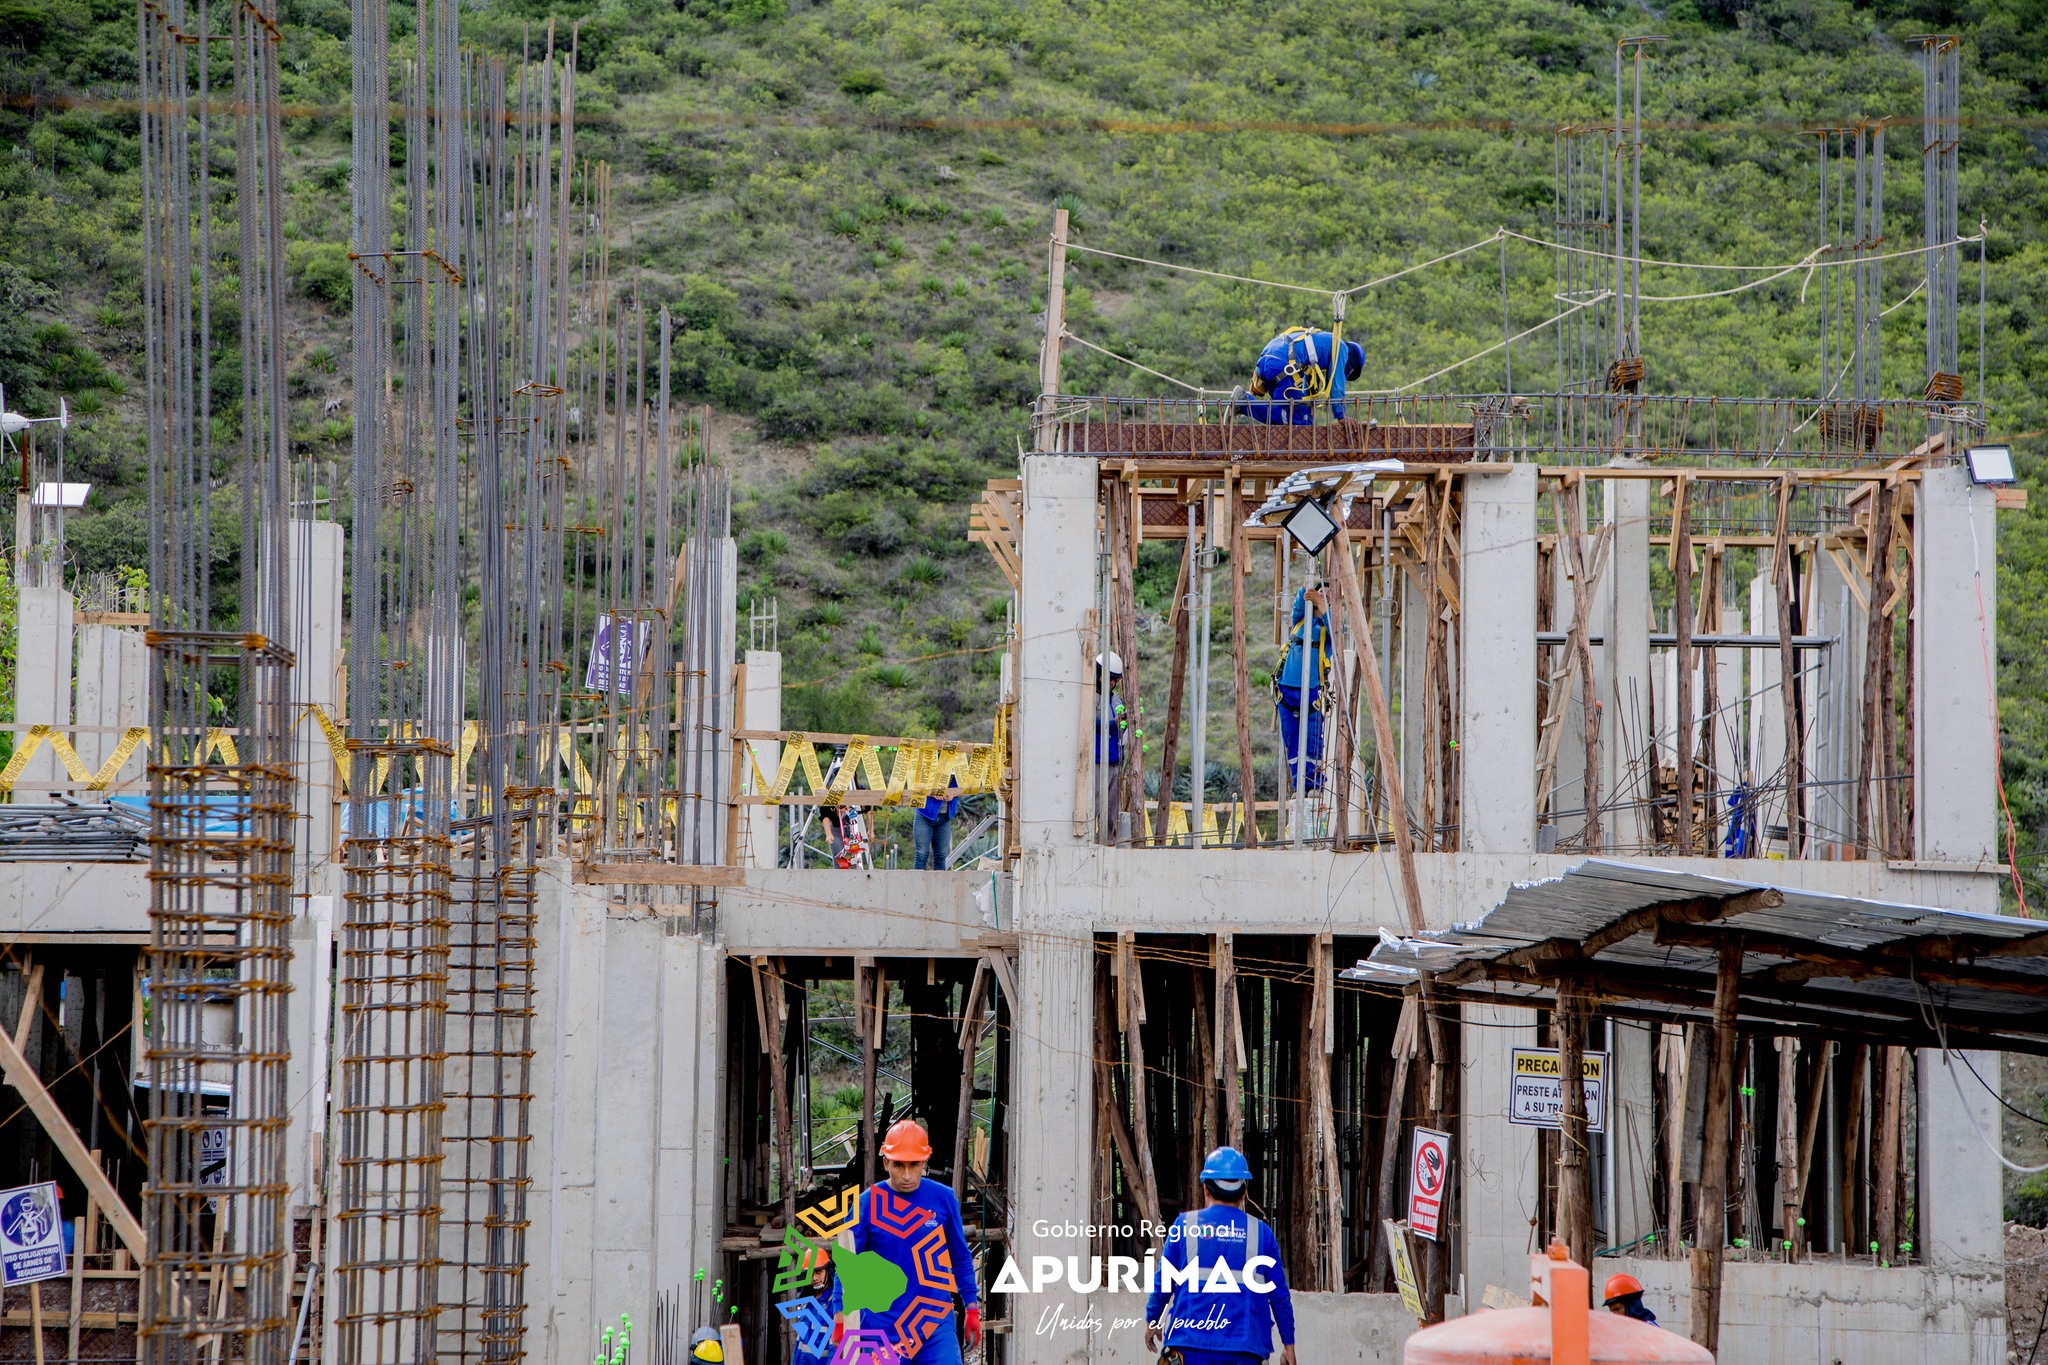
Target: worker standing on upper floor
(932, 828)
(916, 1224)
(1299, 689)
(1238, 1294)
(1295, 372)
(1119, 718)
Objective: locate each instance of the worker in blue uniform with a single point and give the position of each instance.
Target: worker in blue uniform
(1238, 1295)
(1293, 373)
(1119, 716)
(897, 1219)
(1300, 685)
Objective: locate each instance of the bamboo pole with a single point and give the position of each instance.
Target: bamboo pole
(1706, 1255)
(1247, 780)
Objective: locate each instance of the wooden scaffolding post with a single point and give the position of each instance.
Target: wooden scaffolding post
(1706, 1254)
(1322, 1030)
(1176, 688)
(1675, 1084)
(1851, 1238)
(1131, 1015)
(1816, 1096)
(1121, 507)
(1788, 660)
(1390, 1141)
(1872, 837)
(1109, 1105)
(1791, 1200)
(1201, 1075)
(970, 1043)
(1240, 665)
(1890, 1133)
(1681, 624)
(1710, 689)
(1574, 1164)
(1397, 801)
(1230, 1059)
(1045, 432)
(869, 993)
(771, 1011)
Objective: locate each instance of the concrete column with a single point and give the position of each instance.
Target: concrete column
(1838, 727)
(1057, 680)
(1955, 619)
(1053, 1094)
(1497, 695)
(42, 681)
(312, 979)
(1625, 726)
(112, 692)
(760, 824)
(316, 579)
(1961, 1207)
(1496, 1159)
(689, 1177)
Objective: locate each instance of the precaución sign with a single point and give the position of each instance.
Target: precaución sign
(1428, 1173)
(1536, 1089)
(31, 1235)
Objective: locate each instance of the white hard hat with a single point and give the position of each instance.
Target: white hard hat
(1116, 664)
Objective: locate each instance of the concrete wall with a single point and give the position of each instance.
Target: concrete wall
(42, 681)
(1330, 1329)
(627, 1114)
(1835, 1314)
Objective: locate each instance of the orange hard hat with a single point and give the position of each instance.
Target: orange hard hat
(1621, 1286)
(907, 1142)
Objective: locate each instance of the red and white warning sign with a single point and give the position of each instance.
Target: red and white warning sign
(1428, 1172)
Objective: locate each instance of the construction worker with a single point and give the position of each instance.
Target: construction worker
(707, 1347)
(1300, 685)
(1625, 1295)
(1292, 373)
(1119, 718)
(932, 829)
(895, 1218)
(1224, 1325)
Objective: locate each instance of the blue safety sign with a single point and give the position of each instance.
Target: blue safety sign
(31, 1235)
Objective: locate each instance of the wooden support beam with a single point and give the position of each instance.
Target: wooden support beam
(1574, 1166)
(44, 1106)
(1790, 1186)
(1888, 1140)
(1109, 1103)
(1676, 1057)
(1710, 688)
(1129, 795)
(1809, 1128)
(1851, 1234)
(870, 994)
(1045, 431)
(1659, 918)
(771, 1006)
(1713, 1208)
(1872, 837)
(1390, 1140)
(1230, 1058)
(1316, 1057)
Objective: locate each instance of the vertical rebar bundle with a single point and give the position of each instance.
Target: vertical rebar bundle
(405, 690)
(1940, 138)
(217, 1275)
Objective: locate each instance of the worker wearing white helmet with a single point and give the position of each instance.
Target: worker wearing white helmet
(1119, 718)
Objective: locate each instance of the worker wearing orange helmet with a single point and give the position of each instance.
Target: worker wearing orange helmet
(1625, 1295)
(900, 1218)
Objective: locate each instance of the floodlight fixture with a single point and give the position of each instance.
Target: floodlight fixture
(1991, 466)
(68, 496)
(1310, 525)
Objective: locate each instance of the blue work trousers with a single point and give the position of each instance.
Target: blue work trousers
(1311, 774)
(1195, 1355)
(944, 1346)
(932, 841)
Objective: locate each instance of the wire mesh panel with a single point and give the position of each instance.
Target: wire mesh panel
(217, 1268)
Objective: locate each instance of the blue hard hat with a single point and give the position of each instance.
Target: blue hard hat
(1226, 1166)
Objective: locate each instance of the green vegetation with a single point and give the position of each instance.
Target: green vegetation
(846, 205)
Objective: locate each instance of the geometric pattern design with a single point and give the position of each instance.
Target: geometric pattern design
(866, 1346)
(800, 1256)
(934, 1262)
(916, 1321)
(831, 1215)
(811, 1320)
(895, 1213)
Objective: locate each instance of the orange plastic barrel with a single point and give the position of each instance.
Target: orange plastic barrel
(1520, 1336)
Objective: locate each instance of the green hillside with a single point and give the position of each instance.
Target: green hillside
(846, 206)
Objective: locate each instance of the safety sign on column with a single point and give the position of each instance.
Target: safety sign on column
(31, 1235)
(1536, 1089)
(1429, 1170)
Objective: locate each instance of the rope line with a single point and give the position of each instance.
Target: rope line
(1703, 265)
(1195, 389)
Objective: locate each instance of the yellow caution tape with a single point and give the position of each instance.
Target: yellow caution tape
(133, 738)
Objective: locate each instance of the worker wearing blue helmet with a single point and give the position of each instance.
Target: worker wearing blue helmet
(1221, 1289)
(1293, 373)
